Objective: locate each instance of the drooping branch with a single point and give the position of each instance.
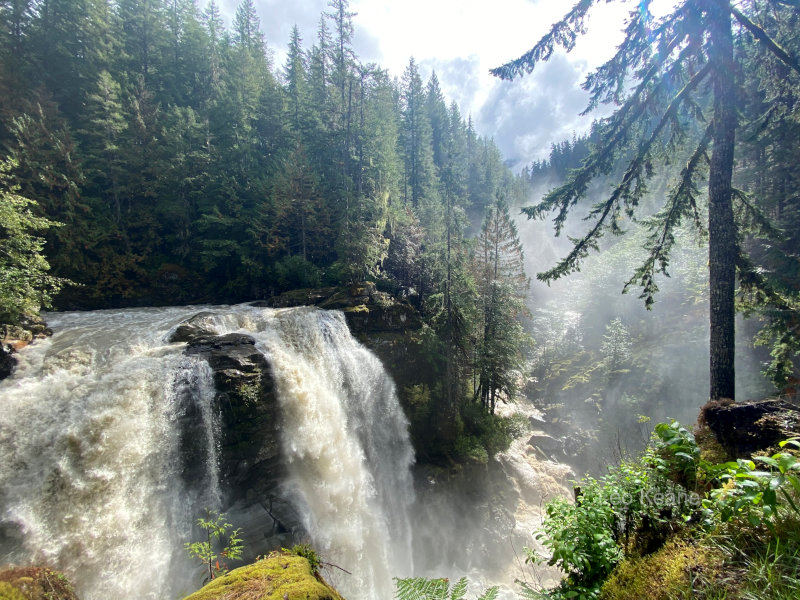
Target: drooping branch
(611, 206)
(681, 202)
(752, 219)
(563, 33)
(600, 161)
(607, 82)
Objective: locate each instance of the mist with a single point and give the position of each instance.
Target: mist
(605, 369)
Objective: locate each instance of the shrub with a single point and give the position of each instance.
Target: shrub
(219, 544)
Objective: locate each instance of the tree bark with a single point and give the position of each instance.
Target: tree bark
(722, 246)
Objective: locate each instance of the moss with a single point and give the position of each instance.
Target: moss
(671, 573)
(34, 583)
(710, 449)
(360, 308)
(9, 592)
(280, 576)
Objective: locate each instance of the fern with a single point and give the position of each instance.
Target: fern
(421, 588)
(490, 594)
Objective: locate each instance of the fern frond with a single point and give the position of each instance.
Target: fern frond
(490, 594)
(420, 588)
(459, 589)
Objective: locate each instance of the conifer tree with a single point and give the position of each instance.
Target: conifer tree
(416, 138)
(502, 288)
(670, 77)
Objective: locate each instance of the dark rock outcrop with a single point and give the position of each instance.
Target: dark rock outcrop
(750, 427)
(250, 465)
(201, 324)
(367, 310)
(7, 361)
(15, 337)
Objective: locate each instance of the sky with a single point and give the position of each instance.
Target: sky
(461, 40)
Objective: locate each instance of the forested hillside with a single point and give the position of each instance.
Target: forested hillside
(187, 167)
(163, 158)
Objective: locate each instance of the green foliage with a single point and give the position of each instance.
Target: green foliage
(220, 543)
(295, 272)
(631, 511)
(307, 552)
(580, 538)
(674, 452)
(750, 494)
(420, 588)
(485, 434)
(25, 285)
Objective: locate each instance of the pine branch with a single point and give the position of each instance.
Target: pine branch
(563, 33)
(765, 39)
(600, 161)
(662, 239)
(750, 218)
(609, 78)
(601, 211)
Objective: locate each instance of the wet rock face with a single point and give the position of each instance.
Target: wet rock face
(250, 464)
(199, 325)
(15, 337)
(751, 427)
(7, 361)
(366, 309)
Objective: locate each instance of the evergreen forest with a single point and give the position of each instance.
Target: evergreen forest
(153, 154)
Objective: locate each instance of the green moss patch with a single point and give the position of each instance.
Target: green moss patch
(672, 573)
(280, 576)
(34, 583)
(360, 308)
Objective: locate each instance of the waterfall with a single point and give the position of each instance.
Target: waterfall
(346, 441)
(95, 478)
(91, 474)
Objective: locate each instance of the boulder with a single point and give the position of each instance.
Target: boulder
(750, 427)
(201, 324)
(7, 361)
(15, 337)
(281, 575)
(249, 455)
(34, 583)
(548, 445)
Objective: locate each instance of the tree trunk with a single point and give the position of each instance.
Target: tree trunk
(722, 246)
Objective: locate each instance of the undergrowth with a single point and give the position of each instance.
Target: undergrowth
(673, 524)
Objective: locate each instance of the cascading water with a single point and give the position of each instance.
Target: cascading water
(95, 479)
(91, 474)
(346, 441)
